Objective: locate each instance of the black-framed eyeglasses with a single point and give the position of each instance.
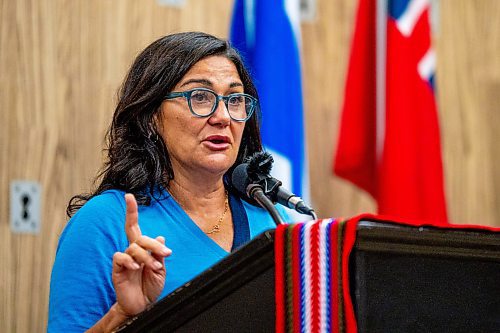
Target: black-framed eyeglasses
(203, 103)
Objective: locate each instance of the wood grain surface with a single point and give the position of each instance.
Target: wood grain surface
(62, 61)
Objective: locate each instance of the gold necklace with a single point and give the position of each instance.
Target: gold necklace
(216, 228)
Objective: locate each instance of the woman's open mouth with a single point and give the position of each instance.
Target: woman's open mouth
(217, 142)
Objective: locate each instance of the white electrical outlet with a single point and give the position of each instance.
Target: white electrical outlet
(25, 206)
(307, 10)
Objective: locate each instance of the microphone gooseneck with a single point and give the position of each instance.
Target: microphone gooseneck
(256, 192)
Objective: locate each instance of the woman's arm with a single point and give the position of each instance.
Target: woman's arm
(111, 320)
(92, 283)
(138, 273)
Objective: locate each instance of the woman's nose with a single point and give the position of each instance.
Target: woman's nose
(220, 115)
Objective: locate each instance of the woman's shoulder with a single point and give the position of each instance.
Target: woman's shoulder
(107, 204)
(104, 202)
(103, 213)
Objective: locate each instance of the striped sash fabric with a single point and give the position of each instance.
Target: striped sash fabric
(312, 272)
(311, 265)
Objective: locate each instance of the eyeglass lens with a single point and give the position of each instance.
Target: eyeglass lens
(203, 102)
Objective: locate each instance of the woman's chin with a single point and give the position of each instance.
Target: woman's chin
(216, 164)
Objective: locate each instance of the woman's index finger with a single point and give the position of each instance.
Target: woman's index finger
(132, 219)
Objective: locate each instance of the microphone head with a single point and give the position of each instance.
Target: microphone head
(259, 165)
(240, 182)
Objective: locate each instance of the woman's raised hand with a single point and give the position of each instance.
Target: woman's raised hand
(139, 272)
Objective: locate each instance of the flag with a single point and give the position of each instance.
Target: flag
(390, 147)
(267, 35)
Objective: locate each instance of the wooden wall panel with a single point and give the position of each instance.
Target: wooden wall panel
(62, 61)
(468, 83)
(326, 46)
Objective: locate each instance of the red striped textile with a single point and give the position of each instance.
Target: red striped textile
(301, 258)
(279, 278)
(314, 273)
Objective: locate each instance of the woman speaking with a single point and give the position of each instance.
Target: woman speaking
(162, 213)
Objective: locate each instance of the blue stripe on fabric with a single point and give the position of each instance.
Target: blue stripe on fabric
(397, 8)
(302, 279)
(432, 83)
(328, 276)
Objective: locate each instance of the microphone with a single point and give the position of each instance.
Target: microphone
(247, 177)
(253, 193)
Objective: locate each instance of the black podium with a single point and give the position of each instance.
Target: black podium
(403, 279)
(235, 295)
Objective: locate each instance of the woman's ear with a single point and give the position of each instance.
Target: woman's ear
(156, 124)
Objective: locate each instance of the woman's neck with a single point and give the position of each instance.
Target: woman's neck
(192, 195)
(205, 201)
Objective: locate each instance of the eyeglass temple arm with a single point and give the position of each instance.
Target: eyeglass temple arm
(177, 94)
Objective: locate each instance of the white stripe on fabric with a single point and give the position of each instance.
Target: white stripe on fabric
(427, 65)
(307, 269)
(323, 272)
(407, 21)
(282, 170)
(249, 17)
(292, 9)
(381, 55)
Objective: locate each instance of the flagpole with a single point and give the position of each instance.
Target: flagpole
(381, 58)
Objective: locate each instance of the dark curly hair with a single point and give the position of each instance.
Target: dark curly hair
(138, 160)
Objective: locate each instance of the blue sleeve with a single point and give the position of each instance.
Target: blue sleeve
(81, 289)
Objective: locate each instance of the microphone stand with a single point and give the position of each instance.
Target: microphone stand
(255, 191)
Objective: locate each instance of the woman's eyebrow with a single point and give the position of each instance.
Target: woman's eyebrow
(236, 84)
(204, 82)
(207, 83)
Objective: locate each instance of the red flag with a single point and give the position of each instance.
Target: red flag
(404, 171)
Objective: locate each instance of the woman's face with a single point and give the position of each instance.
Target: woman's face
(203, 145)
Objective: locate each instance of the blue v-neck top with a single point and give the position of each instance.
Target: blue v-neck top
(81, 290)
